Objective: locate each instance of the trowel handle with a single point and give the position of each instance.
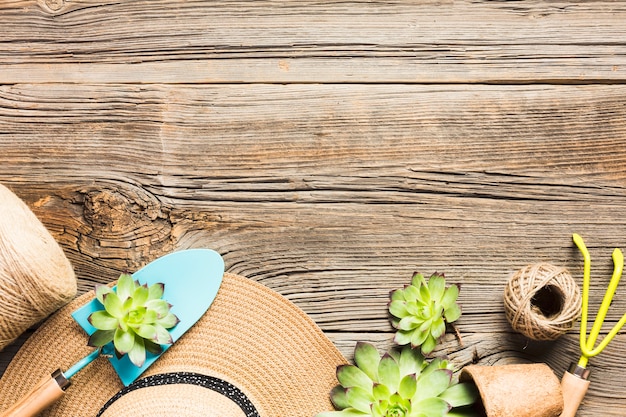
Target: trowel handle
(574, 388)
(48, 391)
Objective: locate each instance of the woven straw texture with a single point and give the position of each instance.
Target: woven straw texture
(174, 401)
(251, 337)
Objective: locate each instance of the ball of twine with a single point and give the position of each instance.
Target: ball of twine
(542, 301)
(35, 276)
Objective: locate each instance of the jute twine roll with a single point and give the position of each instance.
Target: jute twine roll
(542, 301)
(35, 276)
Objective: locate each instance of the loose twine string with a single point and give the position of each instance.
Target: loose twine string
(526, 317)
(35, 276)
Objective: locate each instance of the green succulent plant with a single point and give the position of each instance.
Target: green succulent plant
(421, 310)
(401, 383)
(135, 318)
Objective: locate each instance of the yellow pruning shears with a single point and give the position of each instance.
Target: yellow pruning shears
(575, 381)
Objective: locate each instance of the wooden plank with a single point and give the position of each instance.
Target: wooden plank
(335, 204)
(231, 131)
(308, 42)
(136, 128)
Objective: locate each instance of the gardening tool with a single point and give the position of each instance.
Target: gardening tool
(575, 381)
(191, 280)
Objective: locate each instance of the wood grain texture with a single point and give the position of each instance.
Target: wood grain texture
(291, 41)
(328, 150)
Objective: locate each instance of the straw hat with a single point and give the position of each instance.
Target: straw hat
(253, 353)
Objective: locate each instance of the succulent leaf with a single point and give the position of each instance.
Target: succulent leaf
(417, 280)
(160, 307)
(411, 361)
(396, 406)
(448, 300)
(398, 308)
(430, 407)
(405, 385)
(418, 337)
(435, 364)
(162, 336)
(408, 385)
(351, 376)
(140, 296)
(128, 304)
(452, 313)
(113, 305)
(125, 286)
(421, 310)
(124, 341)
(433, 384)
(460, 395)
(360, 399)
(137, 354)
(402, 338)
(412, 292)
(103, 320)
(152, 347)
(409, 323)
(135, 319)
(135, 316)
(424, 295)
(436, 286)
(438, 327)
(151, 317)
(397, 295)
(381, 392)
(413, 308)
(101, 337)
(429, 344)
(101, 291)
(155, 291)
(389, 372)
(367, 359)
(381, 408)
(147, 331)
(169, 321)
(338, 397)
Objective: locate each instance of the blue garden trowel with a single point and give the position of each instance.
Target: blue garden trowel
(191, 280)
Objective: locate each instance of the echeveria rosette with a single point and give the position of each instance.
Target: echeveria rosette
(421, 310)
(135, 318)
(398, 384)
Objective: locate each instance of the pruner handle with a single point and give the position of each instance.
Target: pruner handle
(574, 385)
(44, 394)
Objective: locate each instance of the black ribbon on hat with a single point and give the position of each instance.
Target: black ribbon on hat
(218, 385)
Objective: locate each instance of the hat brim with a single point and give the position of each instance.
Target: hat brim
(180, 394)
(251, 337)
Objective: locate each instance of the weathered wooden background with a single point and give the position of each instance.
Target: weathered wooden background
(329, 149)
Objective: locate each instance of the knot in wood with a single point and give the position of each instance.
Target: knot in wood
(52, 6)
(121, 211)
(110, 212)
(125, 223)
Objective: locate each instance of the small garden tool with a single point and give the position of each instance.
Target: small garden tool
(190, 278)
(575, 381)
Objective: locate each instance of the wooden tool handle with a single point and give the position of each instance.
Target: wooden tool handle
(574, 389)
(46, 392)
